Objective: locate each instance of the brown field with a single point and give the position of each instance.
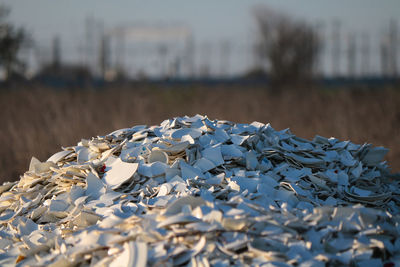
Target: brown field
(37, 122)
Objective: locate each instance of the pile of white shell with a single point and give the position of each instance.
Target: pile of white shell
(200, 192)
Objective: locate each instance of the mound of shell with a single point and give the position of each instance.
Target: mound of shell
(200, 192)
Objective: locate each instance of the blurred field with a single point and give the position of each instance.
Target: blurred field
(37, 122)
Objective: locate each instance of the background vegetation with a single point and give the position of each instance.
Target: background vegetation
(38, 121)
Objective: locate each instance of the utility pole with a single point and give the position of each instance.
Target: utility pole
(104, 55)
(225, 56)
(258, 55)
(120, 51)
(336, 48)
(89, 46)
(351, 56)
(206, 55)
(163, 52)
(384, 57)
(190, 56)
(365, 55)
(393, 42)
(56, 60)
(318, 66)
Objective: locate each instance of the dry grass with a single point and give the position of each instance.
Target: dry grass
(37, 122)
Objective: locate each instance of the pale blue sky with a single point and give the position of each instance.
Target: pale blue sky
(209, 19)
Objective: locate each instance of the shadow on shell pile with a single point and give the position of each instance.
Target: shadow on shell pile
(200, 192)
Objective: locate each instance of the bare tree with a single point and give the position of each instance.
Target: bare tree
(289, 47)
(11, 41)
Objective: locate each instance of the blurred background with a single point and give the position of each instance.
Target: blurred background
(77, 69)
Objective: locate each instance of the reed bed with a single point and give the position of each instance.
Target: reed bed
(38, 121)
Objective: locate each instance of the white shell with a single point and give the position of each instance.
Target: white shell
(118, 172)
(59, 156)
(178, 134)
(95, 187)
(158, 155)
(375, 155)
(214, 155)
(133, 254)
(165, 189)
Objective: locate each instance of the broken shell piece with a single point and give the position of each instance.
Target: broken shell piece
(251, 160)
(249, 184)
(375, 155)
(165, 189)
(6, 186)
(177, 219)
(32, 164)
(204, 164)
(176, 148)
(152, 169)
(133, 254)
(158, 155)
(39, 167)
(216, 180)
(85, 154)
(95, 187)
(214, 155)
(234, 224)
(190, 254)
(118, 172)
(133, 153)
(59, 156)
(178, 134)
(189, 171)
(84, 219)
(178, 204)
(231, 151)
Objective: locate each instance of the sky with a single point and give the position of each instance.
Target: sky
(208, 19)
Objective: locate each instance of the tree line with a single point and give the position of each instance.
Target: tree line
(287, 48)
